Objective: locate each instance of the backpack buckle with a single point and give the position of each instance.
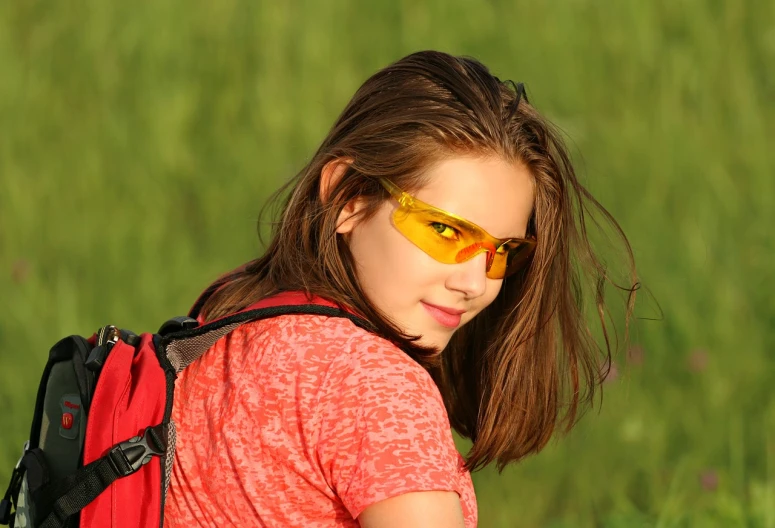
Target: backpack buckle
(129, 456)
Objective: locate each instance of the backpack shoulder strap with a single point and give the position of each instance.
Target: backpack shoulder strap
(185, 347)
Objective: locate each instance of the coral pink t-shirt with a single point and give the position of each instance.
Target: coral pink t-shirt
(305, 420)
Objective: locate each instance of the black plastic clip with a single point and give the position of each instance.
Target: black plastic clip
(12, 493)
(5, 511)
(177, 324)
(129, 456)
(97, 358)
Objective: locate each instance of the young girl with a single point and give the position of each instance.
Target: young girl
(444, 210)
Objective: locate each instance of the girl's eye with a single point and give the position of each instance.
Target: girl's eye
(445, 231)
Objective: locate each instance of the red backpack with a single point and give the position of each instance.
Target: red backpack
(102, 443)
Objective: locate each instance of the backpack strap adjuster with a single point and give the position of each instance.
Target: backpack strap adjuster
(130, 455)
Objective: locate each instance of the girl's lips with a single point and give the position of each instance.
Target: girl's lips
(444, 317)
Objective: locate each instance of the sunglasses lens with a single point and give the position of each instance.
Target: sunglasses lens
(518, 257)
(431, 233)
(446, 240)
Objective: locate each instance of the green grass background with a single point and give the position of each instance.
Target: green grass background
(138, 141)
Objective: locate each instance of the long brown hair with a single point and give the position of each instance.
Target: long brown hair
(528, 363)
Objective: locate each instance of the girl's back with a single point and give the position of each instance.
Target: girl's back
(305, 420)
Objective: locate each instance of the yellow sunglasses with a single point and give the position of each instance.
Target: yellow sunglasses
(451, 239)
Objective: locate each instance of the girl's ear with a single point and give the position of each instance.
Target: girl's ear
(331, 174)
(329, 178)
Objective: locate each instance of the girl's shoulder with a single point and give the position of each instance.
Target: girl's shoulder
(328, 368)
(325, 340)
(330, 359)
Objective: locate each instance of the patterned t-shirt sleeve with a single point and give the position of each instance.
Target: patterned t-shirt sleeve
(384, 429)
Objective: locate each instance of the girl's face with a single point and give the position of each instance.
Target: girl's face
(421, 295)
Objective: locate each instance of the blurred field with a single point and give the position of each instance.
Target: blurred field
(138, 141)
